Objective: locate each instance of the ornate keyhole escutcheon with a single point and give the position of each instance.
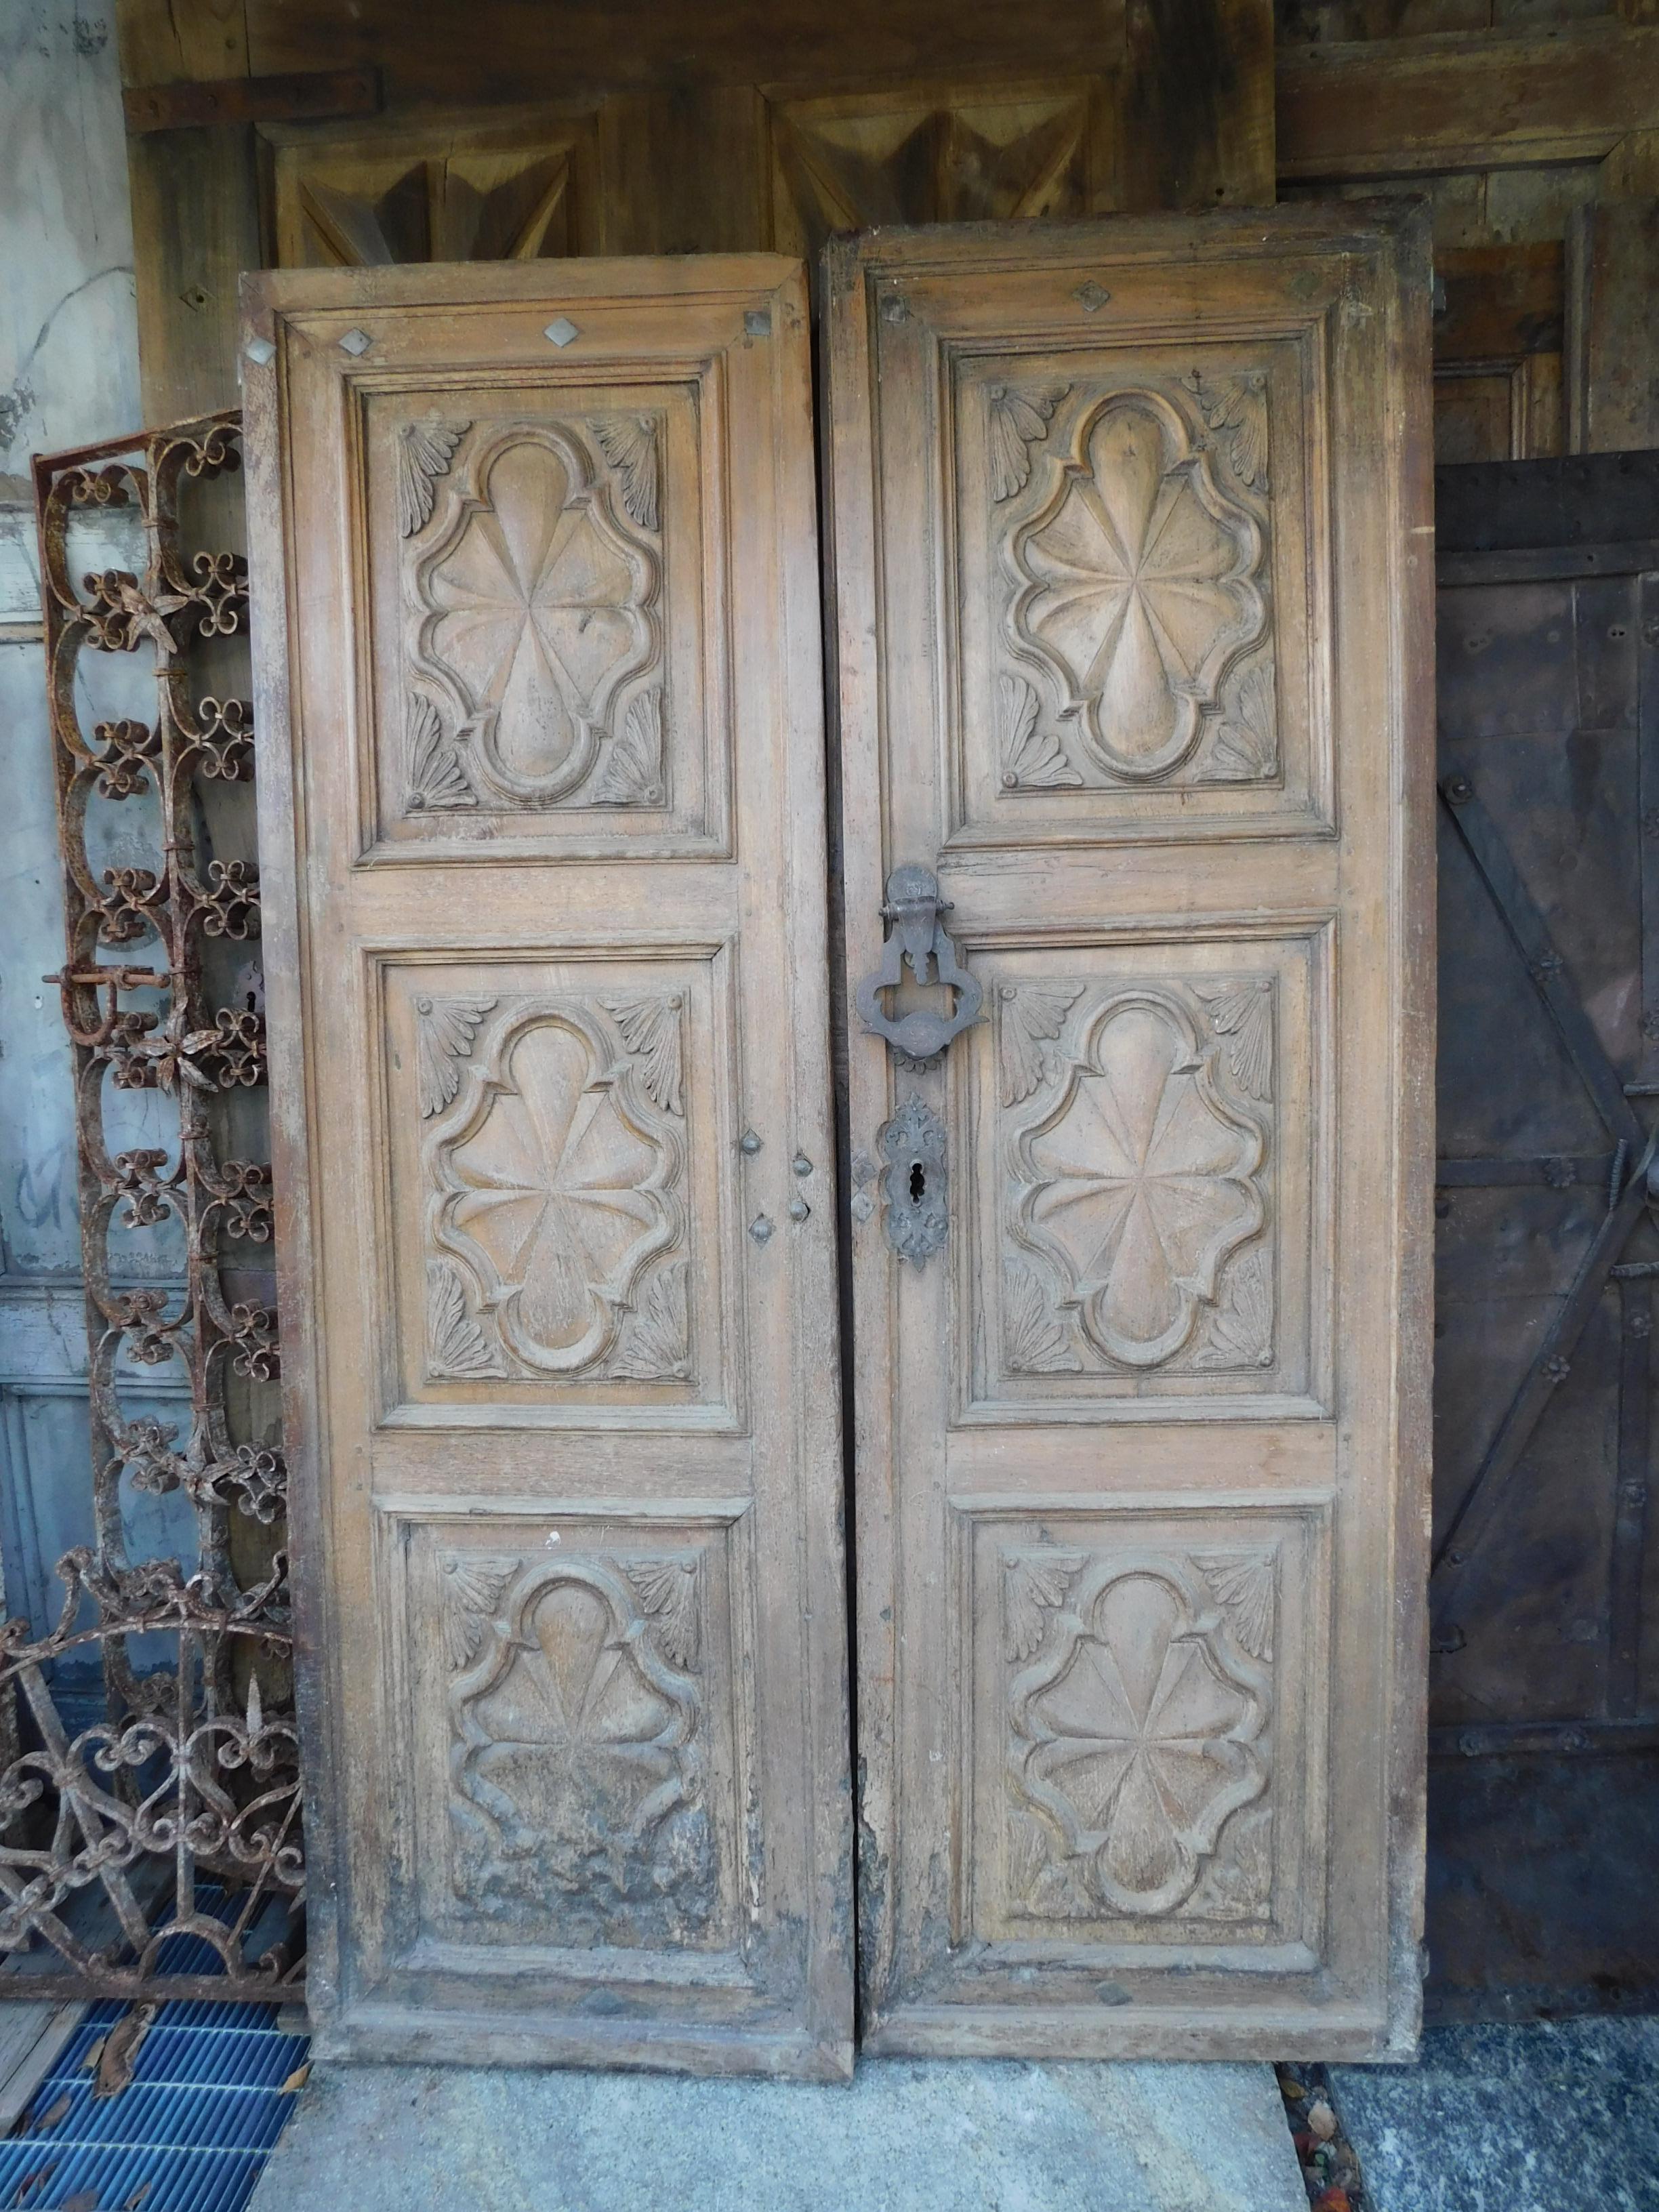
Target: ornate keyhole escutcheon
(919, 939)
(915, 1182)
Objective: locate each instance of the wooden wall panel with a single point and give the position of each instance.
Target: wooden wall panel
(937, 153)
(519, 187)
(512, 133)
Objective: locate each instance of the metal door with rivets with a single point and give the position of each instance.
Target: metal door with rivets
(1544, 1711)
(1133, 578)
(542, 837)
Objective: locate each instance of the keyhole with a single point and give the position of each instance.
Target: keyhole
(918, 1182)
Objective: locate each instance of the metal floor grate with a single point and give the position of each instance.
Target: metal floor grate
(191, 2130)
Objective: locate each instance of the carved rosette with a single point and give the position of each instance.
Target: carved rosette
(1138, 1127)
(576, 1765)
(1138, 1733)
(555, 1221)
(1131, 530)
(533, 581)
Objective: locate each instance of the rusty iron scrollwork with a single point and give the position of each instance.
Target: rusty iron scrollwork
(111, 1833)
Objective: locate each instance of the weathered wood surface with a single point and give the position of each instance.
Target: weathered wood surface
(1385, 107)
(1196, 125)
(195, 207)
(316, 95)
(538, 685)
(1614, 297)
(1133, 589)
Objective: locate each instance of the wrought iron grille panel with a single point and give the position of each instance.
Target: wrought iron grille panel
(192, 1770)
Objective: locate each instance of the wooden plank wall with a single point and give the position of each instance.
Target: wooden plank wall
(509, 131)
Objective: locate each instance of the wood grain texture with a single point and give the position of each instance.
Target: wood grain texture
(181, 41)
(1614, 259)
(1100, 1615)
(1498, 344)
(195, 208)
(319, 94)
(562, 1377)
(453, 53)
(196, 228)
(1196, 125)
(508, 185)
(1390, 107)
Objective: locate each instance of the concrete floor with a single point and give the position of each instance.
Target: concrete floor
(907, 2136)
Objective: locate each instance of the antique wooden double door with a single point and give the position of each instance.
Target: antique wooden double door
(1128, 565)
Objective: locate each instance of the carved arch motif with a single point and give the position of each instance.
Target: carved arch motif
(1138, 1729)
(1139, 581)
(535, 597)
(556, 1196)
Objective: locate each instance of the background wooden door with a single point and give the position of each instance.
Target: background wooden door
(1543, 1710)
(1132, 578)
(543, 842)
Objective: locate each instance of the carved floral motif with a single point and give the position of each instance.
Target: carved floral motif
(1139, 576)
(534, 589)
(576, 1768)
(1137, 1732)
(1138, 1174)
(1140, 584)
(556, 1188)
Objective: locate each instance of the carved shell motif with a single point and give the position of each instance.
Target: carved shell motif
(1236, 407)
(456, 1344)
(1247, 736)
(424, 452)
(1016, 420)
(655, 1337)
(436, 777)
(472, 1590)
(1036, 1337)
(1241, 1016)
(668, 1592)
(628, 442)
(1033, 759)
(651, 1031)
(632, 775)
(1034, 1584)
(1032, 1015)
(443, 1031)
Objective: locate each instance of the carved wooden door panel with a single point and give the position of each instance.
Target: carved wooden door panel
(543, 853)
(1131, 531)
